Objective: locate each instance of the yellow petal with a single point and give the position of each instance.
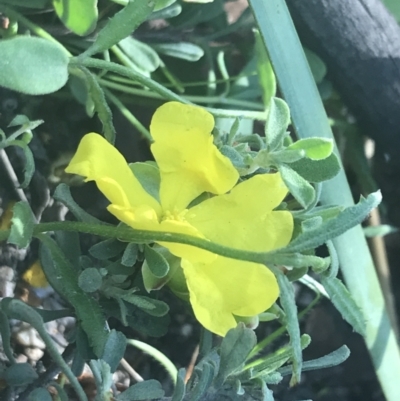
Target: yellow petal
(228, 287)
(97, 160)
(244, 219)
(189, 162)
(35, 276)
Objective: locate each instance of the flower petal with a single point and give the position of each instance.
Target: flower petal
(189, 162)
(97, 160)
(228, 287)
(244, 219)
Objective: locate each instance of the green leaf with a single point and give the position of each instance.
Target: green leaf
(266, 74)
(80, 16)
(153, 307)
(332, 228)
(107, 249)
(141, 54)
(32, 65)
(161, 4)
(302, 191)
(29, 168)
(169, 12)
(121, 25)
(328, 361)
(156, 262)
(148, 175)
(130, 254)
(288, 303)
(114, 349)
(180, 386)
(90, 280)
(100, 105)
(182, 50)
(344, 303)
(22, 225)
(40, 394)
(19, 374)
(63, 278)
(314, 148)
(147, 390)
(272, 362)
(317, 170)
(152, 282)
(277, 123)
(235, 348)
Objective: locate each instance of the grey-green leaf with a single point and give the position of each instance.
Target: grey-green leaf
(277, 123)
(63, 278)
(157, 263)
(114, 349)
(22, 225)
(317, 170)
(32, 65)
(235, 348)
(90, 279)
(40, 394)
(344, 303)
(182, 50)
(332, 228)
(147, 390)
(121, 25)
(302, 191)
(19, 374)
(288, 303)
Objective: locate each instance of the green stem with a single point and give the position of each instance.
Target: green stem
(129, 116)
(129, 73)
(140, 236)
(189, 98)
(309, 119)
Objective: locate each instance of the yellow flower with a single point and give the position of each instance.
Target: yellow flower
(35, 276)
(240, 216)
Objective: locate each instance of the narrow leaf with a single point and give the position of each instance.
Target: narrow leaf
(63, 278)
(344, 303)
(327, 361)
(121, 25)
(100, 105)
(332, 228)
(288, 303)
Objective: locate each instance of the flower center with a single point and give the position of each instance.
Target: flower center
(174, 215)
